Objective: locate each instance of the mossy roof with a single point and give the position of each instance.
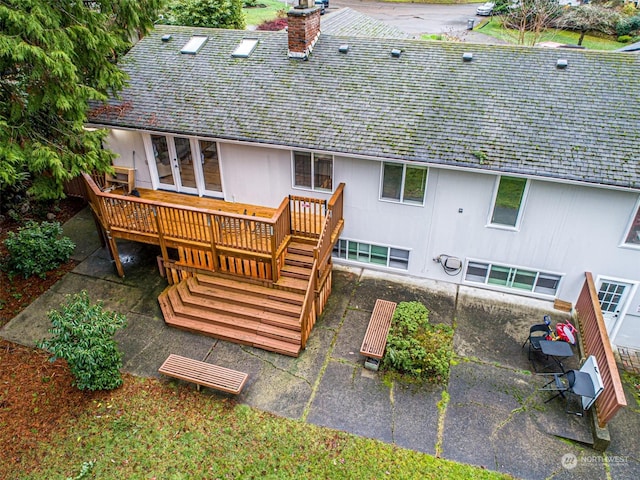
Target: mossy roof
(509, 110)
(347, 22)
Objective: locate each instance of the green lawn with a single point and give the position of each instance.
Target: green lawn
(146, 430)
(495, 29)
(256, 16)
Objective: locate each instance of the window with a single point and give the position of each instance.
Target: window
(194, 45)
(512, 277)
(210, 165)
(313, 171)
(508, 202)
(403, 183)
(245, 48)
(374, 254)
(633, 235)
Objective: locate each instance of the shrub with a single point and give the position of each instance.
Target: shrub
(36, 249)
(83, 336)
(274, 25)
(628, 25)
(417, 348)
(624, 38)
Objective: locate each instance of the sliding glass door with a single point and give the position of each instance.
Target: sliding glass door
(184, 164)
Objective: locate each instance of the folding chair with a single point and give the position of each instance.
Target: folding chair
(537, 332)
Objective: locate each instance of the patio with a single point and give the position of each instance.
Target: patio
(495, 415)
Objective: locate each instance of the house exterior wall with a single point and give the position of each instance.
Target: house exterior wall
(129, 148)
(564, 229)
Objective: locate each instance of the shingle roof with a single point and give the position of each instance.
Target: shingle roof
(508, 110)
(632, 47)
(349, 23)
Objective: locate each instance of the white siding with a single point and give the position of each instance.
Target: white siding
(565, 229)
(128, 146)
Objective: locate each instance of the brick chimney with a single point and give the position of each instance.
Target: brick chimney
(304, 28)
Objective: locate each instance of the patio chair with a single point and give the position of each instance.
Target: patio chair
(584, 385)
(537, 332)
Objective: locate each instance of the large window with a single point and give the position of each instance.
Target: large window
(313, 171)
(515, 278)
(210, 165)
(633, 232)
(508, 201)
(374, 254)
(403, 183)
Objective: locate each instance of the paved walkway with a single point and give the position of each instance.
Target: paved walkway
(495, 416)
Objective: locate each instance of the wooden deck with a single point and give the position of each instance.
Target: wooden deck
(205, 203)
(286, 249)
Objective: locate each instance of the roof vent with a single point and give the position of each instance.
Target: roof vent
(396, 52)
(467, 56)
(562, 63)
(194, 45)
(343, 48)
(166, 38)
(245, 48)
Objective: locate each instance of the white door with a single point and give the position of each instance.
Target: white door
(612, 295)
(185, 165)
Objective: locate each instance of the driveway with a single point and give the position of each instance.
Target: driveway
(415, 18)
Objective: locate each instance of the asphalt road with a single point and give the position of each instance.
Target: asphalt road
(416, 18)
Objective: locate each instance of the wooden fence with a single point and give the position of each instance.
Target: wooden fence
(596, 342)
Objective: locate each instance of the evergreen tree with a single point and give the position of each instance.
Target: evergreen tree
(55, 57)
(206, 13)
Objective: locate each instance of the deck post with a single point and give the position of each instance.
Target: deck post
(163, 245)
(113, 249)
(214, 250)
(275, 272)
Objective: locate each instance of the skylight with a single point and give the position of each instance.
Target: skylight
(194, 44)
(245, 48)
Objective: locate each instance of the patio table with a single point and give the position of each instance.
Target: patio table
(557, 350)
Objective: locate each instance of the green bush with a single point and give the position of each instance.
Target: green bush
(206, 13)
(624, 38)
(416, 347)
(37, 249)
(83, 336)
(628, 25)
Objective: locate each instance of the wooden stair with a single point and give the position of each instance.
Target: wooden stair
(241, 311)
(236, 311)
(298, 261)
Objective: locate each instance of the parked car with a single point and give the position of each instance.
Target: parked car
(321, 4)
(485, 9)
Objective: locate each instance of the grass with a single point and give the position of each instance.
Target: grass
(147, 430)
(495, 29)
(256, 16)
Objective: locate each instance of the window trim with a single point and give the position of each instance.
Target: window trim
(523, 202)
(313, 188)
(635, 214)
(509, 289)
(359, 243)
(402, 185)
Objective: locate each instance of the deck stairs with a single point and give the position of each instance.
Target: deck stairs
(244, 311)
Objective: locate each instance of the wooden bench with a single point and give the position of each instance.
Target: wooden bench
(375, 339)
(203, 374)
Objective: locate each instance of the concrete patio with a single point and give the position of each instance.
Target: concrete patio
(495, 416)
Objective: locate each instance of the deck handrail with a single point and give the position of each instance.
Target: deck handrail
(335, 207)
(308, 311)
(183, 223)
(596, 342)
(304, 214)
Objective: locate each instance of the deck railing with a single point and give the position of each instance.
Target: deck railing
(308, 313)
(596, 342)
(306, 215)
(336, 207)
(218, 233)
